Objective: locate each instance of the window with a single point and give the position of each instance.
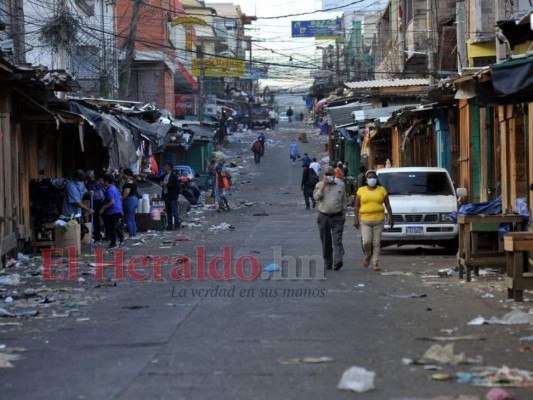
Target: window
(423, 182)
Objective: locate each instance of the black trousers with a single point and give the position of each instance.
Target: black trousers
(114, 228)
(257, 157)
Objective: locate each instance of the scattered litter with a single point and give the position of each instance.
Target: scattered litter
(261, 215)
(272, 268)
(221, 227)
(409, 296)
(498, 377)
(10, 323)
(5, 313)
(432, 367)
(396, 273)
(444, 355)
(514, 317)
(81, 280)
(360, 285)
(441, 377)
(487, 296)
(133, 307)
(75, 304)
(5, 360)
(9, 299)
(527, 339)
(82, 319)
(305, 360)
(357, 379)
(255, 252)
(498, 394)
(12, 280)
(446, 272)
(106, 284)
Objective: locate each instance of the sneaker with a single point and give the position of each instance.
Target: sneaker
(338, 265)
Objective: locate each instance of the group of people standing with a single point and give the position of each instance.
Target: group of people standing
(111, 208)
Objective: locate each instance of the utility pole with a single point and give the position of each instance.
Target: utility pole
(105, 84)
(499, 8)
(461, 36)
(201, 83)
(17, 32)
(337, 64)
(129, 52)
(429, 37)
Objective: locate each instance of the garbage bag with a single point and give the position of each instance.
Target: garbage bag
(357, 379)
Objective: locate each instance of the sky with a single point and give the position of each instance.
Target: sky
(272, 41)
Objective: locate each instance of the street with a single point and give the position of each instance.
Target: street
(238, 339)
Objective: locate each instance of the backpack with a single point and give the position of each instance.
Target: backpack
(257, 146)
(312, 178)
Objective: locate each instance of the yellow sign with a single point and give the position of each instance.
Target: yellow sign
(216, 67)
(188, 21)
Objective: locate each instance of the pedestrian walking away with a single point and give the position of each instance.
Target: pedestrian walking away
(306, 160)
(257, 148)
(272, 116)
(361, 180)
(130, 200)
(222, 187)
(170, 195)
(113, 213)
(262, 139)
(370, 204)
(330, 194)
(315, 166)
(294, 153)
(309, 181)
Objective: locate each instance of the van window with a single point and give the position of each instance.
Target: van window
(406, 183)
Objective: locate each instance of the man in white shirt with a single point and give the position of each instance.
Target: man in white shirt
(272, 116)
(316, 166)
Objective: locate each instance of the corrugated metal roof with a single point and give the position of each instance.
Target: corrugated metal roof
(381, 83)
(342, 115)
(381, 113)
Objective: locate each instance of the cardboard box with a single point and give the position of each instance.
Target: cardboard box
(209, 200)
(70, 238)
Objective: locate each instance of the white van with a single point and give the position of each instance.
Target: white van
(422, 201)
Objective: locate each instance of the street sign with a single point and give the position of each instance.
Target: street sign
(218, 67)
(313, 28)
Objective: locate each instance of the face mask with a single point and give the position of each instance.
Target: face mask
(372, 182)
(330, 178)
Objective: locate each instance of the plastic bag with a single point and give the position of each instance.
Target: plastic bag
(357, 379)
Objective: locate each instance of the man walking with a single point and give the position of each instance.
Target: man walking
(331, 196)
(256, 149)
(262, 139)
(113, 213)
(309, 181)
(272, 117)
(290, 113)
(171, 192)
(315, 165)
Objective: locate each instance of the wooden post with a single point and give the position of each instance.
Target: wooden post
(484, 175)
(504, 178)
(529, 145)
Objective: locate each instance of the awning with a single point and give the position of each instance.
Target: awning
(342, 115)
(513, 80)
(201, 132)
(383, 114)
(184, 82)
(517, 31)
(157, 133)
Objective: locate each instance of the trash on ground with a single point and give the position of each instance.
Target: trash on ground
(487, 296)
(305, 360)
(444, 355)
(221, 227)
(82, 319)
(357, 379)
(441, 377)
(498, 377)
(527, 339)
(525, 349)
(5, 313)
(451, 338)
(409, 296)
(446, 272)
(5, 360)
(498, 394)
(272, 268)
(396, 273)
(12, 280)
(514, 317)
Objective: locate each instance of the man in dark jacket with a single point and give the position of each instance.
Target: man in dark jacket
(171, 192)
(309, 181)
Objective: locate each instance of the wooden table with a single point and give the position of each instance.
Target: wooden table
(519, 276)
(469, 257)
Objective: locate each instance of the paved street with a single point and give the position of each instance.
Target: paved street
(168, 340)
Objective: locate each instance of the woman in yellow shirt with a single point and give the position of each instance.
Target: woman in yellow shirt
(370, 204)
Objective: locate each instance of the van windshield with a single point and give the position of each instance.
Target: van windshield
(409, 183)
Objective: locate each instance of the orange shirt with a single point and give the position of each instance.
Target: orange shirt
(338, 173)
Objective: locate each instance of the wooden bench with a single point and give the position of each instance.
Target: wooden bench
(469, 256)
(519, 275)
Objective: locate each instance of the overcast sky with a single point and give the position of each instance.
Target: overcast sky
(272, 41)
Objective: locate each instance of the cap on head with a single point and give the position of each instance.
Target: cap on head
(329, 170)
(373, 171)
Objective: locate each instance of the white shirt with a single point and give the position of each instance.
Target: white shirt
(272, 114)
(316, 167)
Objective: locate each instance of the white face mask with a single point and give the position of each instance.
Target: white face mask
(372, 182)
(330, 178)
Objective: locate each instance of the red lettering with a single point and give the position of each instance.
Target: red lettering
(226, 266)
(118, 264)
(72, 263)
(200, 263)
(182, 270)
(132, 264)
(48, 264)
(156, 263)
(255, 268)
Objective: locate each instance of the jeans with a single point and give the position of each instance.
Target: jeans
(272, 123)
(114, 229)
(331, 229)
(172, 208)
(371, 232)
(130, 206)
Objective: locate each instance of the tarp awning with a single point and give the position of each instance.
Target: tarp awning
(342, 115)
(383, 114)
(157, 133)
(513, 79)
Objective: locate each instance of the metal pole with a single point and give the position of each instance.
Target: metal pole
(91, 249)
(202, 84)
(429, 37)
